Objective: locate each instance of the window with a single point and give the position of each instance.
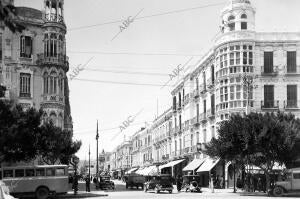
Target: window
(296, 175)
(231, 17)
(243, 16)
(245, 57)
(204, 106)
(25, 85)
(40, 172)
(25, 46)
(19, 173)
(291, 61)
(29, 172)
(238, 92)
(8, 174)
(231, 26)
(243, 25)
(60, 171)
(237, 58)
(204, 135)
(268, 96)
(46, 83)
(231, 92)
(291, 96)
(268, 62)
(231, 55)
(250, 58)
(213, 132)
(0, 48)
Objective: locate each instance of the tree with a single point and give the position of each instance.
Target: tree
(2, 91)
(18, 129)
(8, 16)
(257, 139)
(56, 145)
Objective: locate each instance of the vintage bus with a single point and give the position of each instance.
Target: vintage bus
(40, 180)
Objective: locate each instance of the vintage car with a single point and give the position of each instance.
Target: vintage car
(105, 183)
(134, 180)
(191, 183)
(4, 191)
(159, 183)
(290, 183)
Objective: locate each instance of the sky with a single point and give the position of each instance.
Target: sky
(129, 69)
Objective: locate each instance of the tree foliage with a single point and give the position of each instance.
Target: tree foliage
(18, 129)
(23, 138)
(8, 16)
(56, 145)
(258, 139)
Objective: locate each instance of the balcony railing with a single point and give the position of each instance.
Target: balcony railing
(195, 121)
(269, 72)
(291, 104)
(292, 70)
(210, 113)
(202, 117)
(210, 83)
(196, 93)
(54, 99)
(270, 104)
(59, 59)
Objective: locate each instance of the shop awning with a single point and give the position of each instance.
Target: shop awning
(208, 164)
(131, 170)
(193, 165)
(171, 164)
(140, 171)
(148, 171)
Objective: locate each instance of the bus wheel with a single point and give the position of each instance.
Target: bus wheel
(42, 193)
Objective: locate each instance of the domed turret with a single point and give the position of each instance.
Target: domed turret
(238, 16)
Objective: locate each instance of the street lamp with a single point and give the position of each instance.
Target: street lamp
(233, 163)
(97, 166)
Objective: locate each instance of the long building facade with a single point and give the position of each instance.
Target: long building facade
(244, 71)
(34, 64)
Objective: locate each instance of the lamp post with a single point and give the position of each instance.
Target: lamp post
(234, 189)
(89, 162)
(97, 165)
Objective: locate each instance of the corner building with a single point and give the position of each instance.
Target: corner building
(217, 86)
(34, 63)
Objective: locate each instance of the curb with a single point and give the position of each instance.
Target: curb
(84, 195)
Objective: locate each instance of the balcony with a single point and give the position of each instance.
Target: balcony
(186, 99)
(291, 104)
(210, 83)
(178, 105)
(196, 93)
(187, 150)
(210, 113)
(195, 121)
(290, 71)
(202, 117)
(57, 99)
(202, 89)
(270, 104)
(59, 59)
(268, 72)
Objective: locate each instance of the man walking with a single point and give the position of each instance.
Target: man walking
(87, 183)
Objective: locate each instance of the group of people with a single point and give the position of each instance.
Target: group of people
(252, 183)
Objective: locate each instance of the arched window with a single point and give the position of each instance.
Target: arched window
(45, 77)
(61, 84)
(231, 17)
(53, 118)
(60, 121)
(53, 82)
(53, 45)
(243, 16)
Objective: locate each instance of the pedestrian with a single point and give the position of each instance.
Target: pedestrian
(179, 183)
(222, 182)
(259, 184)
(87, 183)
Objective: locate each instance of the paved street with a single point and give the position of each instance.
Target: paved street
(122, 193)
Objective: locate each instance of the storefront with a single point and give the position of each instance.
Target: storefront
(191, 168)
(173, 168)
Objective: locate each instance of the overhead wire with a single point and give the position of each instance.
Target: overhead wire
(148, 16)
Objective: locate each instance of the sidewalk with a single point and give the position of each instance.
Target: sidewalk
(83, 194)
(230, 191)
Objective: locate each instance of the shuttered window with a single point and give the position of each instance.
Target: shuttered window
(268, 96)
(292, 96)
(25, 46)
(268, 62)
(291, 61)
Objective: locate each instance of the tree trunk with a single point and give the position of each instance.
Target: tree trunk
(267, 174)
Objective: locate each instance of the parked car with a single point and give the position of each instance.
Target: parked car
(159, 183)
(191, 183)
(290, 183)
(106, 183)
(134, 180)
(4, 191)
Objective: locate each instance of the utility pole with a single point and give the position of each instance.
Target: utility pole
(97, 137)
(89, 162)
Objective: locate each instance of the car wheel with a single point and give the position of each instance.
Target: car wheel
(170, 191)
(278, 191)
(42, 193)
(156, 190)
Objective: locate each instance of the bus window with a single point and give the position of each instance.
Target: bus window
(40, 172)
(50, 172)
(0, 175)
(19, 173)
(60, 171)
(7, 173)
(29, 172)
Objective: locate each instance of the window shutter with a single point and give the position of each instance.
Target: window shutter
(291, 61)
(292, 95)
